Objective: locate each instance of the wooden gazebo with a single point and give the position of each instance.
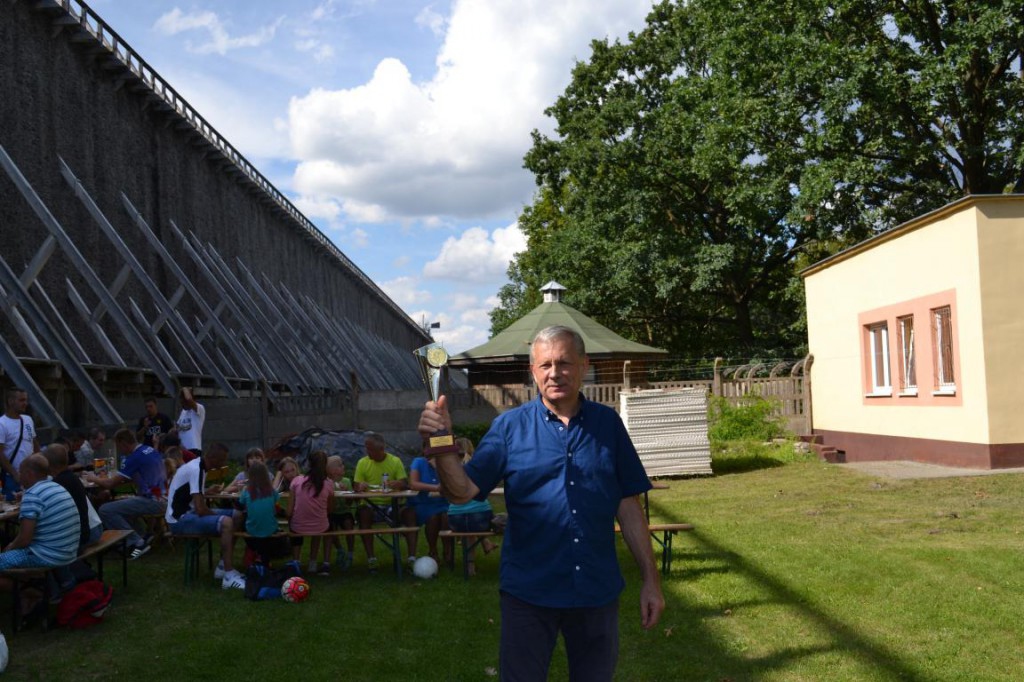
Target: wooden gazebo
(505, 359)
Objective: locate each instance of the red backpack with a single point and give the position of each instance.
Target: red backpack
(85, 604)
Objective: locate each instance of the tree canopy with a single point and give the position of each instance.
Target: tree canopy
(699, 164)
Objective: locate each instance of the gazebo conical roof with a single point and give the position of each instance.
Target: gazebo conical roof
(513, 344)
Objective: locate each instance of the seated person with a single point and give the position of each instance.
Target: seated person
(258, 501)
(91, 528)
(89, 450)
(473, 516)
(342, 516)
(309, 509)
(57, 457)
(188, 513)
(144, 467)
(431, 511)
(238, 482)
(171, 440)
(370, 471)
(287, 469)
(49, 526)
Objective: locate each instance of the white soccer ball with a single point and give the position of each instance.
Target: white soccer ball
(425, 567)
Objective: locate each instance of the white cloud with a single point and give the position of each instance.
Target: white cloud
(324, 10)
(335, 9)
(321, 51)
(428, 18)
(318, 207)
(364, 213)
(405, 292)
(477, 256)
(218, 38)
(460, 338)
(244, 116)
(452, 145)
(359, 238)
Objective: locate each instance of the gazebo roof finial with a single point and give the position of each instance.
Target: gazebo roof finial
(552, 292)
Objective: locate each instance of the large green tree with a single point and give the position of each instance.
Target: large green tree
(697, 165)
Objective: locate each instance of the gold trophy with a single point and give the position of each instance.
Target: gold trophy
(433, 361)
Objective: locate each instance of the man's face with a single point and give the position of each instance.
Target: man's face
(558, 370)
(19, 402)
(375, 451)
(150, 408)
(97, 442)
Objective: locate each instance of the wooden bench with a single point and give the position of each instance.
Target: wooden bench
(108, 541)
(661, 533)
(469, 541)
(195, 543)
(667, 531)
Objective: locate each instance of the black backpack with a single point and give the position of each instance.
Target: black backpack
(265, 583)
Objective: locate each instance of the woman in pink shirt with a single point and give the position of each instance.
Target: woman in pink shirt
(309, 504)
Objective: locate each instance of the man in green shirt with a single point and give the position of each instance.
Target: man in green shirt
(370, 471)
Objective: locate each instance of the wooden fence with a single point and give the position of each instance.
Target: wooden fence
(792, 393)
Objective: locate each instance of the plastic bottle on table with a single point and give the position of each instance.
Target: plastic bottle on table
(384, 483)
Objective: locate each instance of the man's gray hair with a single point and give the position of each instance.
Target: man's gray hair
(558, 331)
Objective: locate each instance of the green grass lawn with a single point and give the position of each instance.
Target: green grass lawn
(797, 570)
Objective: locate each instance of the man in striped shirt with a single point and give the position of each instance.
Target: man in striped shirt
(48, 523)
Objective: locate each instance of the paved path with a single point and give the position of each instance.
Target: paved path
(892, 469)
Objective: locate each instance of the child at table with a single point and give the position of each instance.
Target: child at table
(287, 470)
(473, 516)
(257, 502)
(431, 511)
(342, 516)
(309, 505)
(238, 482)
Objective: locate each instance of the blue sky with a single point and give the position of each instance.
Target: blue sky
(398, 127)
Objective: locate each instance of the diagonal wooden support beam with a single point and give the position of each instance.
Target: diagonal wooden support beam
(132, 266)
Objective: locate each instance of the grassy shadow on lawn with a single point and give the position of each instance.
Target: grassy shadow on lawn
(813, 572)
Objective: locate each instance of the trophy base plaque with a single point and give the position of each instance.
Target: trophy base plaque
(440, 444)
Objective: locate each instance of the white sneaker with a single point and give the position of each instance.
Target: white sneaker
(219, 572)
(139, 551)
(233, 579)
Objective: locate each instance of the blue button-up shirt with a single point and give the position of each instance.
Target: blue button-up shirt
(563, 485)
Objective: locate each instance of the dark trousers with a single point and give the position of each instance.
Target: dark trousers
(269, 548)
(529, 633)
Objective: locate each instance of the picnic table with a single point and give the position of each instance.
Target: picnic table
(389, 535)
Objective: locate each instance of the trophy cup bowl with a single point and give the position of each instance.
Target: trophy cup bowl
(433, 362)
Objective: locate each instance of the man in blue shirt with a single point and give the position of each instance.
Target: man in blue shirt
(143, 466)
(569, 470)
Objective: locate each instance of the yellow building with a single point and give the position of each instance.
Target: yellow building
(918, 339)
